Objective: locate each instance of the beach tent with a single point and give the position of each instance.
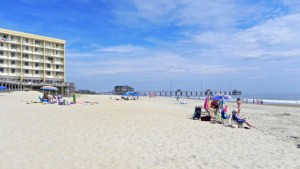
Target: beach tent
(3, 87)
(130, 94)
(135, 94)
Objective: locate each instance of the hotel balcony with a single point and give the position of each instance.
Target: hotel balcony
(49, 54)
(38, 76)
(11, 41)
(3, 48)
(3, 56)
(27, 51)
(14, 74)
(14, 50)
(27, 59)
(38, 60)
(38, 68)
(38, 53)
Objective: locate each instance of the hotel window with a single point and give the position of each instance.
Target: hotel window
(37, 42)
(36, 72)
(1, 70)
(12, 38)
(26, 63)
(37, 65)
(57, 66)
(27, 48)
(57, 45)
(48, 73)
(13, 71)
(13, 62)
(12, 55)
(25, 56)
(48, 66)
(1, 44)
(13, 46)
(1, 53)
(26, 40)
(26, 71)
(1, 61)
(36, 49)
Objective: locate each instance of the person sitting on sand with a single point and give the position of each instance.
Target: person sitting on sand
(46, 96)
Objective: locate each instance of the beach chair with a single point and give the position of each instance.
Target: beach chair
(43, 100)
(225, 118)
(197, 113)
(217, 115)
(235, 121)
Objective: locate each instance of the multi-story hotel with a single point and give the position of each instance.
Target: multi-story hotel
(30, 61)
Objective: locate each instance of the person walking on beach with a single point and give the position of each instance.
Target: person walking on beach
(74, 98)
(238, 102)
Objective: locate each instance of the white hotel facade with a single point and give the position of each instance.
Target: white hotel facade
(29, 61)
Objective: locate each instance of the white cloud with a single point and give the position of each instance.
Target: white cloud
(120, 49)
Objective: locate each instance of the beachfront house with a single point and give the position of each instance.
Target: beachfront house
(119, 90)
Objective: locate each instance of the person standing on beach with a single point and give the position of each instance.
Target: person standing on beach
(238, 102)
(74, 98)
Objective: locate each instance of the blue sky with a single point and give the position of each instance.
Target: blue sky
(250, 45)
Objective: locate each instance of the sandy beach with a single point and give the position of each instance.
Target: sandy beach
(156, 133)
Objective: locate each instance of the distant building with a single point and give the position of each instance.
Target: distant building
(123, 89)
(29, 61)
(85, 92)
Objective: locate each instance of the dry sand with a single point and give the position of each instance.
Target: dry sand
(148, 133)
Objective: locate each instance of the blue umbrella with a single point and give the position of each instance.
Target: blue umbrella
(3, 87)
(219, 97)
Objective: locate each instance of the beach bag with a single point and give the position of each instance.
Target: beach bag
(205, 118)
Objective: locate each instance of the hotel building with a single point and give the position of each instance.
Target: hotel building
(29, 61)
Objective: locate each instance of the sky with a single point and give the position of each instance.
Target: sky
(163, 45)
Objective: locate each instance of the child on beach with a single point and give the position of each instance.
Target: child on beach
(224, 113)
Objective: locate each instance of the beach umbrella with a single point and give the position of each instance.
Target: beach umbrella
(49, 88)
(220, 97)
(3, 87)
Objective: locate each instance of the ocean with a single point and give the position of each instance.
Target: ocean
(279, 98)
(282, 98)
(267, 98)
